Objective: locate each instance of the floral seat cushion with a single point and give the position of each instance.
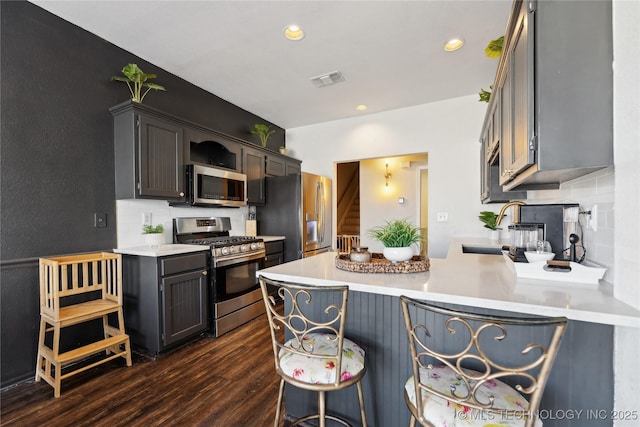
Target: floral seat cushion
(314, 370)
(443, 413)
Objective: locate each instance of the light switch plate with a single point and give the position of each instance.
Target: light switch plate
(443, 217)
(100, 219)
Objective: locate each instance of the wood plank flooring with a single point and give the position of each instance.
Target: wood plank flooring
(226, 381)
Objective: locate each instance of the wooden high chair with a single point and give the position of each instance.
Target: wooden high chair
(96, 280)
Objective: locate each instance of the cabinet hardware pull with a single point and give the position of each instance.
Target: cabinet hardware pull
(204, 273)
(181, 194)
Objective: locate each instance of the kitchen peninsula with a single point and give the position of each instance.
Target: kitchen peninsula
(478, 283)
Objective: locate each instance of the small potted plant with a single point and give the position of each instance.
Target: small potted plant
(134, 75)
(153, 235)
(490, 221)
(283, 150)
(397, 236)
(264, 132)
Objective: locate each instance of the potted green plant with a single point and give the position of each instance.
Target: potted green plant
(153, 235)
(490, 221)
(397, 236)
(133, 75)
(263, 131)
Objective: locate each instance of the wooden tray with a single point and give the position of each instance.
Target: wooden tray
(379, 264)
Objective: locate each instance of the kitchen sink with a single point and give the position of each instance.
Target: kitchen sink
(481, 249)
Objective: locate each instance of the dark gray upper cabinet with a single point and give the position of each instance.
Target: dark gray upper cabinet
(280, 166)
(212, 149)
(253, 166)
(149, 160)
(554, 89)
(152, 149)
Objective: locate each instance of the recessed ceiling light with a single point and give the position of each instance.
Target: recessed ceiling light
(361, 107)
(453, 44)
(293, 32)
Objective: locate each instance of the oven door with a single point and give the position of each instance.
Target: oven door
(232, 278)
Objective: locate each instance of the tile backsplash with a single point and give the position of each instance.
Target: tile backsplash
(595, 188)
(129, 214)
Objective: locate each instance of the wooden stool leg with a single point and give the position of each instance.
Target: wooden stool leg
(57, 366)
(39, 361)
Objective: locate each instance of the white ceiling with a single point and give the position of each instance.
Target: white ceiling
(390, 52)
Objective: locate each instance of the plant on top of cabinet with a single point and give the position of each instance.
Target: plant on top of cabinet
(133, 74)
(264, 132)
(493, 50)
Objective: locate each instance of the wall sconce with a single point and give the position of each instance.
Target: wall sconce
(387, 175)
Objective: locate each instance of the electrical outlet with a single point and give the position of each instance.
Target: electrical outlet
(442, 217)
(146, 218)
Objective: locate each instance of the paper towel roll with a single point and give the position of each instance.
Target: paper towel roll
(250, 227)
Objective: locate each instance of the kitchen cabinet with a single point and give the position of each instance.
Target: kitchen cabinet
(253, 165)
(149, 160)
(212, 149)
(492, 153)
(274, 253)
(165, 299)
(281, 166)
(554, 90)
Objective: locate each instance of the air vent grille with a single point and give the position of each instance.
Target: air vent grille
(327, 79)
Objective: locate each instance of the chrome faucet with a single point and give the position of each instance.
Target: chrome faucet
(516, 212)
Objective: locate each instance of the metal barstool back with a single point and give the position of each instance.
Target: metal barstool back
(307, 332)
(484, 370)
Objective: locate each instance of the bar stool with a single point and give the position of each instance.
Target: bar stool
(306, 354)
(463, 382)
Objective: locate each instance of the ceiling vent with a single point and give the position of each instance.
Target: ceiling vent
(327, 79)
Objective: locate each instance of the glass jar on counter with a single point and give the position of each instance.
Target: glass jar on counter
(360, 254)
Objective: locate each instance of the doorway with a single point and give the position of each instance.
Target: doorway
(372, 191)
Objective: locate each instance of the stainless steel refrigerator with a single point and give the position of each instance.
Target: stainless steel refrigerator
(299, 208)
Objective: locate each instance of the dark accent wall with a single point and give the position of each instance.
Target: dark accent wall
(57, 155)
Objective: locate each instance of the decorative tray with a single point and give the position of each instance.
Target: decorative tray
(560, 271)
(379, 264)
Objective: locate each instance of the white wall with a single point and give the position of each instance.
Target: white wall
(626, 131)
(448, 131)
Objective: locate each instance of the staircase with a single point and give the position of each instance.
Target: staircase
(351, 222)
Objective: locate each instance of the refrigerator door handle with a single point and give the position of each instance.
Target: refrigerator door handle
(319, 211)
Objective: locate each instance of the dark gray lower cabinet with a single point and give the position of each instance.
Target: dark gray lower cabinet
(165, 299)
(274, 253)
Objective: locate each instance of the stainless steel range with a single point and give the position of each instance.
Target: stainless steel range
(234, 293)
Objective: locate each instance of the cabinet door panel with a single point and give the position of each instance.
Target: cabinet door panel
(522, 78)
(160, 161)
(275, 166)
(253, 166)
(293, 168)
(506, 134)
(184, 298)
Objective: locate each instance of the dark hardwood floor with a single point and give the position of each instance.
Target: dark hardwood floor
(226, 381)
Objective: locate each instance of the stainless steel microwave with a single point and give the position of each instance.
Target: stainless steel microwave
(215, 187)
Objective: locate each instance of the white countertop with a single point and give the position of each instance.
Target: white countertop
(162, 250)
(475, 280)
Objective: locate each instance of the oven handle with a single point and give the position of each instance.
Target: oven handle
(237, 259)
